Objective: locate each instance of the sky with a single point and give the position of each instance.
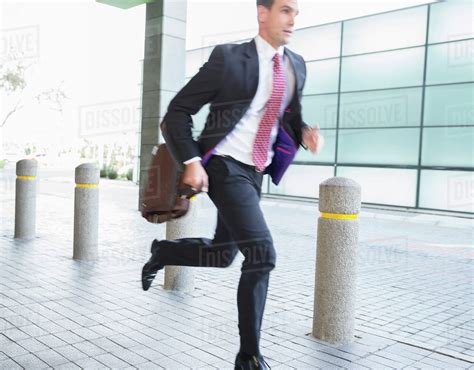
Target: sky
(94, 52)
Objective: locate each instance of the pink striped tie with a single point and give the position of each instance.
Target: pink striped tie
(272, 111)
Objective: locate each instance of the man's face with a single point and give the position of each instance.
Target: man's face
(279, 21)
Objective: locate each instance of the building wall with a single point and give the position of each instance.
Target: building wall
(393, 96)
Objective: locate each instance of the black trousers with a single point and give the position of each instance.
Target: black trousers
(235, 189)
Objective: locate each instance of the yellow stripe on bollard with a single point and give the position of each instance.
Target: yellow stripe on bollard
(26, 177)
(339, 216)
(87, 185)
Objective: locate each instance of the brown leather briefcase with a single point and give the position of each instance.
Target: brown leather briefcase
(165, 197)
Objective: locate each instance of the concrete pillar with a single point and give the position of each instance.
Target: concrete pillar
(86, 212)
(336, 259)
(25, 199)
(181, 278)
(163, 73)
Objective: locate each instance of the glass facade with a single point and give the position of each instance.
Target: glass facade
(393, 96)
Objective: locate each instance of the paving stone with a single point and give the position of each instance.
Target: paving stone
(12, 349)
(382, 361)
(15, 334)
(71, 353)
(89, 349)
(51, 341)
(9, 364)
(149, 366)
(106, 344)
(102, 330)
(4, 325)
(69, 337)
(33, 330)
(402, 360)
(87, 333)
(449, 360)
(356, 349)
(188, 361)
(112, 361)
(124, 341)
(431, 363)
(331, 359)
(68, 366)
(369, 363)
(30, 361)
(50, 327)
(317, 363)
(170, 363)
(129, 357)
(32, 345)
(97, 309)
(52, 358)
(295, 364)
(148, 353)
(89, 363)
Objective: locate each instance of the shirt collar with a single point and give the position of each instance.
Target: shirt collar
(265, 50)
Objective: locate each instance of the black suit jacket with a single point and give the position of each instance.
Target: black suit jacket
(228, 80)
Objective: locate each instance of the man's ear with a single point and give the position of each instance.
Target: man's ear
(262, 14)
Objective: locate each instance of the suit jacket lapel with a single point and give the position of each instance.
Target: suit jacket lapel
(297, 68)
(251, 72)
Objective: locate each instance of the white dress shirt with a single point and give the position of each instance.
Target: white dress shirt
(239, 142)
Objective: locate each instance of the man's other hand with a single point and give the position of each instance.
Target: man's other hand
(195, 176)
(313, 139)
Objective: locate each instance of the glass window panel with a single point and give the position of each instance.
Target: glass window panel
(447, 190)
(322, 76)
(384, 185)
(196, 58)
(386, 69)
(265, 184)
(448, 146)
(385, 31)
(400, 107)
(451, 62)
(382, 146)
(321, 110)
(449, 105)
(317, 42)
(451, 20)
(302, 180)
(328, 153)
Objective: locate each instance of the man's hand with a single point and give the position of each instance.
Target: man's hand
(313, 139)
(195, 176)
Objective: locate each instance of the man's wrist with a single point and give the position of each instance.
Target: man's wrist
(192, 160)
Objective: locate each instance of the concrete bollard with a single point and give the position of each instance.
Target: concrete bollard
(25, 199)
(181, 278)
(336, 260)
(86, 212)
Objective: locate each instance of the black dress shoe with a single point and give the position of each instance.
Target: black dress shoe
(252, 363)
(151, 267)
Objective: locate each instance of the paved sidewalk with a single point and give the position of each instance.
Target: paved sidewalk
(414, 292)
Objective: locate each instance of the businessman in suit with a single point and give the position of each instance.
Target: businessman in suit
(254, 127)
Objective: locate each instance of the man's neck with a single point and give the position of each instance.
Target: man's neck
(267, 39)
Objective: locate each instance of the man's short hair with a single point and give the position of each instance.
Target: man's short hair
(266, 3)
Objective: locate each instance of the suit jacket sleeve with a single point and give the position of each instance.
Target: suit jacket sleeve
(201, 89)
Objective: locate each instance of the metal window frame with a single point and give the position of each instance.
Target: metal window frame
(418, 167)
